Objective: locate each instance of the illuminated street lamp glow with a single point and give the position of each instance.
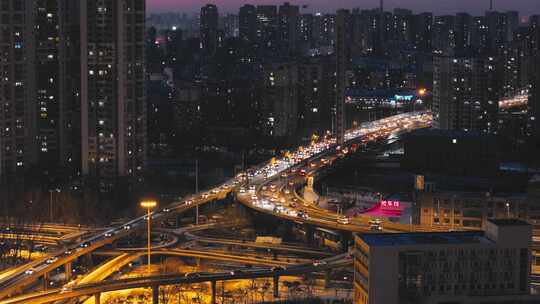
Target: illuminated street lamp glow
(149, 205)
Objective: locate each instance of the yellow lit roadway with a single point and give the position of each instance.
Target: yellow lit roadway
(29, 236)
(249, 259)
(163, 280)
(49, 227)
(121, 259)
(273, 247)
(277, 196)
(14, 283)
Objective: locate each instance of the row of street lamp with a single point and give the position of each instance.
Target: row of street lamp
(146, 204)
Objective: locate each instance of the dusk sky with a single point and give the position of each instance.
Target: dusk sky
(526, 7)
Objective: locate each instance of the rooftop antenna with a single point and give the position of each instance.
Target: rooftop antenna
(382, 5)
(490, 5)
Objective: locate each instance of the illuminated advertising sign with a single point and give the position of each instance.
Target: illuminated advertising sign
(390, 205)
(403, 97)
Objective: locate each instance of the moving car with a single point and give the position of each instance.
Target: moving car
(344, 220)
(52, 260)
(375, 228)
(319, 263)
(375, 222)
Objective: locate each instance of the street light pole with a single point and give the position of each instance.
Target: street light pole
(508, 210)
(50, 205)
(149, 205)
(149, 240)
(197, 190)
(51, 191)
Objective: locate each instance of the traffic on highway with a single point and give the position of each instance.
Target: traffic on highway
(278, 198)
(277, 195)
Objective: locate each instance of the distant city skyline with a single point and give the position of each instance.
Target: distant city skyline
(525, 7)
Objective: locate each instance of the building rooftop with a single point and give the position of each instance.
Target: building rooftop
(429, 238)
(497, 196)
(448, 133)
(508, 222)
(381, 93)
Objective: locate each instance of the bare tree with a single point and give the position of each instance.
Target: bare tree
(263, 289)
(309, 282)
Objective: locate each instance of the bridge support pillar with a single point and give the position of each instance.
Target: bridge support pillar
(327, 278)
(310, 235)
(285, 229)
(68, 271)
(213, 287)
(89, 262)
(97, 298)
(155, 294)
(45, 281)
(276, 286)
(344, 240)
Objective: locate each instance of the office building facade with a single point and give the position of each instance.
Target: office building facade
(465, 93)
(75, 89)
(450, 267)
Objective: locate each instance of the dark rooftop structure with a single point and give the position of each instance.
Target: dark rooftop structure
(434, 238)
(509, 222)
(448, 152)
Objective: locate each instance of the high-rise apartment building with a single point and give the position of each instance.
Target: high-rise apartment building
(343, 53)
(305, 30)
(480, 34)
(449, 267)
(463, 31)
(280, 99)
(534, 99)
(501, 27)
(17, 114)
(316, 93)
(402, 25)
(230, 25)
(209, 28)
(267, 26)
(324, 29)
(288, 27)
(534, 21)
(112, 90)
(444, 35)
(39, 71)
(247, 23)
(75, 88)
(465, 94)
(423, 32)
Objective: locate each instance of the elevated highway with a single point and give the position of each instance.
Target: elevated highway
(15, 283)
(154, 282)
(277, 196)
